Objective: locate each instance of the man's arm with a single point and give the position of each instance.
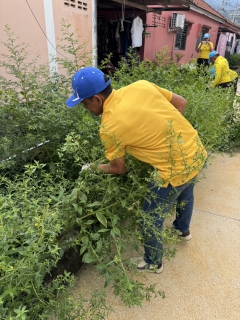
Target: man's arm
(218, 74)
(179, 102)
(117, 166)
(211, 46)
(199, 46)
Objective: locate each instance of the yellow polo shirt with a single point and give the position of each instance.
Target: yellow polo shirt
(205, 50)
(222, 72)
(140, 120)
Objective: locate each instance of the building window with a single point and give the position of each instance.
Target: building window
(75, 4)
(181, 38)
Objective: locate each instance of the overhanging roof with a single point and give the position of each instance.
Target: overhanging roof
(142, 5)
(229, 27)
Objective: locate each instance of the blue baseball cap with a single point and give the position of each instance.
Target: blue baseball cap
(206, 36)
(86, 82)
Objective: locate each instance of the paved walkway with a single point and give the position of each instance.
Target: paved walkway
(203, 281)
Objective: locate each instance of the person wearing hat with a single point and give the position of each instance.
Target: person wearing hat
(204, 48)
(224, 77)
(147, 122)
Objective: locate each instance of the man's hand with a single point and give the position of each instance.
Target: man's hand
(117, 166)
(86, 166)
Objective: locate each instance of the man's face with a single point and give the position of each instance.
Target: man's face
(213, 59)
(94, 105)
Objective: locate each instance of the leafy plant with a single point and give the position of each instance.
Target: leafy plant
(74, 51)
(234, 60)
(80, 308)
(32, 101)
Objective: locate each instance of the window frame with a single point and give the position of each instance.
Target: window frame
(181, 38)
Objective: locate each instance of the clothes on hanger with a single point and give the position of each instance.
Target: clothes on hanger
(116, 35)
(136, 31)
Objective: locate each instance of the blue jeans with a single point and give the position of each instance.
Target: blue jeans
(158, 203)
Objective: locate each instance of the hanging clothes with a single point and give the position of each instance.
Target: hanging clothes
(237, 49)
(125, 37)
(136, 31)
(117, 36)
(222, 43)
(233, 43)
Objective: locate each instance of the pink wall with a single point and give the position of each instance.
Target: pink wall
(160, 37)
(80, 21)
(19, 17)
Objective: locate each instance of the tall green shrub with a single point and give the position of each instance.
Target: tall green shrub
(234, 60)
(33, 109)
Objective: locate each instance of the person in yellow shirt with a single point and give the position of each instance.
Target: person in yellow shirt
(224, 77)
(204, 49)
(147, 122)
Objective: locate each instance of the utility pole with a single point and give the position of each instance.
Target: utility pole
(236, 13)
(222, 6)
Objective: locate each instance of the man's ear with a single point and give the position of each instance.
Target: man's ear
(99, 98)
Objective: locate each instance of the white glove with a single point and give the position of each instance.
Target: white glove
(86, 166)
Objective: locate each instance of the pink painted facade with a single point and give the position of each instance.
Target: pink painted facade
(161, 37)
(28, 20)
(19, 18)
(38, 23)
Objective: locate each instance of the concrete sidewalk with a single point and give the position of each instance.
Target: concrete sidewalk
(203, 281)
